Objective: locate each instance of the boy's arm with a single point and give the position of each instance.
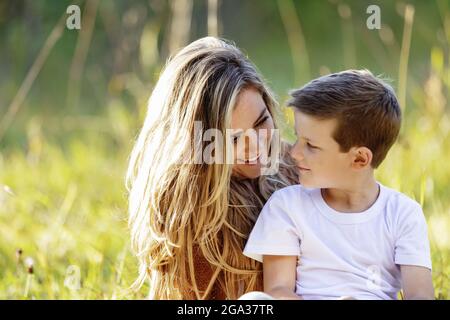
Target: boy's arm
(417, 283)
(279, 276)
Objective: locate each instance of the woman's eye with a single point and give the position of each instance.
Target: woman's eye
(310, 145)
(262, 121)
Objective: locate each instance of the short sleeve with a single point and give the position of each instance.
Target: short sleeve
(412, 245)
(274, 232)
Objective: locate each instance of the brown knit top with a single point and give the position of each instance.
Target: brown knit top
(203, 274)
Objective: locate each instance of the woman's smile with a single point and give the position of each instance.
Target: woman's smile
(252, 161)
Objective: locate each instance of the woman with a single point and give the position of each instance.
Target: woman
(189, 220)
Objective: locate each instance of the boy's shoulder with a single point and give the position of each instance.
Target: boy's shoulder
(396, 202)
(400, 209)
(398, 199)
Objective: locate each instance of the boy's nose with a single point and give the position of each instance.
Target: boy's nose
(296, 153)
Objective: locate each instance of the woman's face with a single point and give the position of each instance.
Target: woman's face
(251, 113)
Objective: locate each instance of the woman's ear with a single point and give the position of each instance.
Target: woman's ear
(362, 157)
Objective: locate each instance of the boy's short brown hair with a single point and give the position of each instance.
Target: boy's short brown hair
(366, 109)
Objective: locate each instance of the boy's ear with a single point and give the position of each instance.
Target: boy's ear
(361, 157)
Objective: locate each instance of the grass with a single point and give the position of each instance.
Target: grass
(65, 208)
(64, 205)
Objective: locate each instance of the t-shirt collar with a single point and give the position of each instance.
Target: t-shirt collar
(349, 218)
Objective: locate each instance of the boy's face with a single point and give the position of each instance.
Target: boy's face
(317, 154)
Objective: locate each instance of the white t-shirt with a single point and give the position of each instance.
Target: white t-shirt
(342, 254)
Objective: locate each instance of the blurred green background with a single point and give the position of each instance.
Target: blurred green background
(72, 102)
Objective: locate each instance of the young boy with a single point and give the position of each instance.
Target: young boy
(340, 233)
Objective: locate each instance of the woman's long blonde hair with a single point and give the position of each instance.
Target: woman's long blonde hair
(175, 204)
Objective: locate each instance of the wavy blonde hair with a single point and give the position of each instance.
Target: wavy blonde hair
(175, 204)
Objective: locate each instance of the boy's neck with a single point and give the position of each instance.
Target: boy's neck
(358, 198)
